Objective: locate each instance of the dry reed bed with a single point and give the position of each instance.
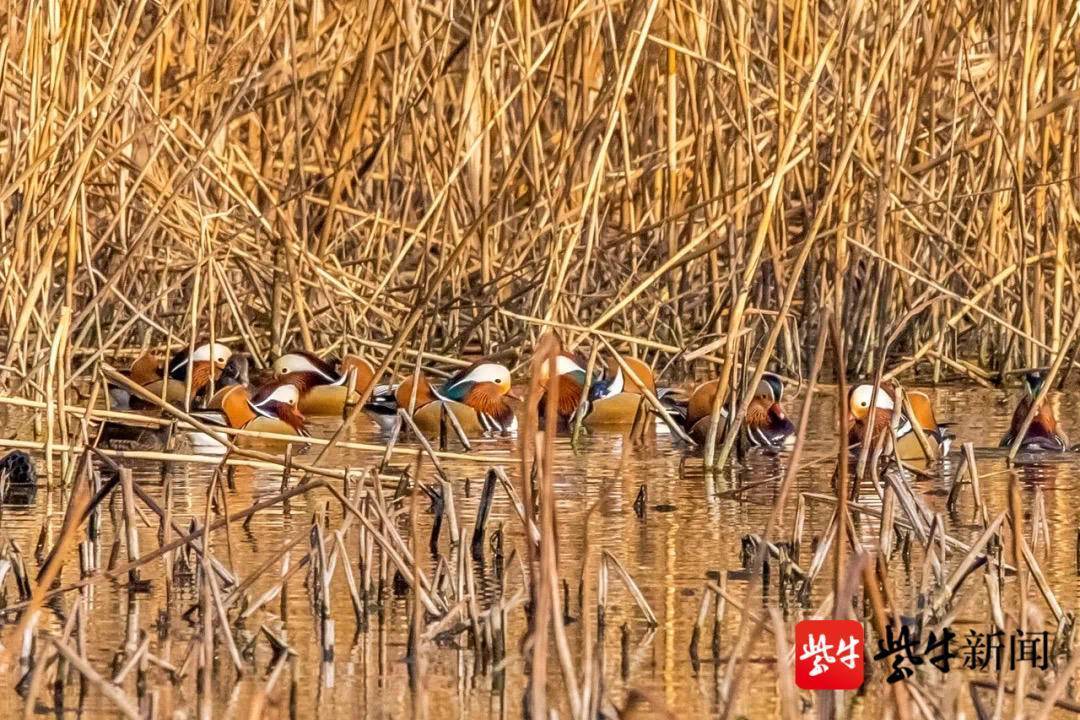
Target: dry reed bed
(346, 177)
(240, 616)
(696, 182)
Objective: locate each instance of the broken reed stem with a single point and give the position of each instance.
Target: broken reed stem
(123, 703)
(632, 587)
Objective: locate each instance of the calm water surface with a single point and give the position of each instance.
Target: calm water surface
(692, 530)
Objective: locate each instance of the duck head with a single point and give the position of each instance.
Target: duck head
(279, 400)
(569, 378)
(771, 387)
(565, 367)
(483, 387)
(204, 362)
(1033, 382)
(766, 415)
(214, 353)
(209, 355)
(861, 399)
(304, 362)
(490, 377)
(237, 371)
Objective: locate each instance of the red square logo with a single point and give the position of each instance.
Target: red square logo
(829, 654)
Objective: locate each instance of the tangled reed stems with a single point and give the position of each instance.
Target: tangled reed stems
(322, 176)
(700, 183)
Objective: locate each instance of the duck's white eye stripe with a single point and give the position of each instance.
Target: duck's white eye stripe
(285, 394)
(485, 372)
(208, 352)
(294, 362)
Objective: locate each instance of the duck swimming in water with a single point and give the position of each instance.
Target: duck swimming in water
(324, 384)
(206, 363)
(765, 425)
(1044, 433)
(476, 395)
(570, 378)
(614, 397)
(862, 397)
(271, 409)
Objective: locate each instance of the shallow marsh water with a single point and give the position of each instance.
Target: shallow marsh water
(692, 530)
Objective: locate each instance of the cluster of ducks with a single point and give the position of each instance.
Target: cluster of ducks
(481, 398)
(1042, 434)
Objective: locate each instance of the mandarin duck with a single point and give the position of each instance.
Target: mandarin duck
(476, 395)
(273, 408)
(570, 380)
(862, 396)
(765, 425)
(324, 384)
(206, 362)
(1044, 433)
